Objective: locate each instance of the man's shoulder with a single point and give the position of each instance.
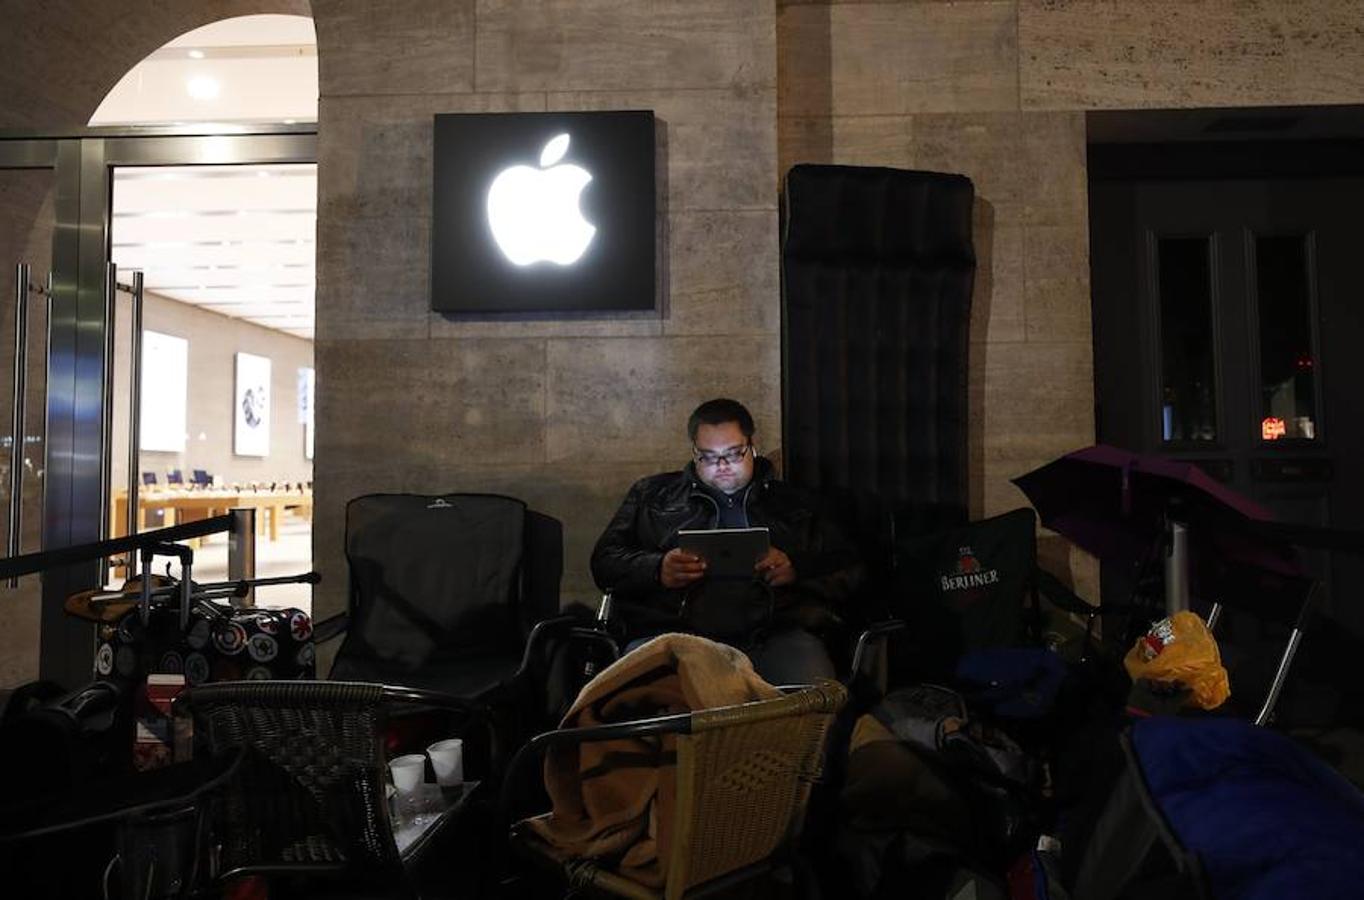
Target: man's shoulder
(651, 486)
(790, 496)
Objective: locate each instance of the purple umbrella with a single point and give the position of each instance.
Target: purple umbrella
(1116, 504)
(1122, 506)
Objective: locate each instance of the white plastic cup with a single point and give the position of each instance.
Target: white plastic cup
(408, 772)
(447, 759)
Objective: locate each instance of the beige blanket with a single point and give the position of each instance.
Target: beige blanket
(615, 798)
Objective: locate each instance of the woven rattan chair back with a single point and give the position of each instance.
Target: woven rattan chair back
(310, 791)
(743, 780)
(744, 775)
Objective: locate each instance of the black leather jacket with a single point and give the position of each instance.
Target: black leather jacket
(629, 554)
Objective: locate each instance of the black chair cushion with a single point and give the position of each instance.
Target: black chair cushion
(434, 580)
(877, 272)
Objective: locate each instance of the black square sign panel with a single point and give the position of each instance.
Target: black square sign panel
(543, 212)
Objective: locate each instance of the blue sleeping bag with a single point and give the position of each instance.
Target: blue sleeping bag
(1267, 819)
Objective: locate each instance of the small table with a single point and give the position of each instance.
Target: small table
(418, 816)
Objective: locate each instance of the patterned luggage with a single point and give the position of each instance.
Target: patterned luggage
(217, 642)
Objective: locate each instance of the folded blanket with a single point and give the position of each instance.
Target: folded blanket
(615, 799)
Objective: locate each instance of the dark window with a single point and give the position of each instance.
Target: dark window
(1288, 398)
(1188, 409)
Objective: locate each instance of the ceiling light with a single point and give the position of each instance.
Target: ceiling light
(196, 54)
(202, 87)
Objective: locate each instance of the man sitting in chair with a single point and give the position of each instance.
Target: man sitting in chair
(797, 586)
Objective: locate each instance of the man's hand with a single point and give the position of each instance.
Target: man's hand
(775, 568)
(680, 569)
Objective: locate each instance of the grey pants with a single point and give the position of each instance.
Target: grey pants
(792, 656)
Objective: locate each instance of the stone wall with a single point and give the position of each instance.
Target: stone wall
(563, 412)
(997, 89)
(936, 86)
(566, 412)
(58, 60)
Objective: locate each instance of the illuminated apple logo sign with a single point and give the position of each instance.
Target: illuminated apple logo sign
(533, 213)
(542, 214)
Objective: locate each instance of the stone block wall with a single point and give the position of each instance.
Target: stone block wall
(564, 412)
(997, 90)
(935, 86)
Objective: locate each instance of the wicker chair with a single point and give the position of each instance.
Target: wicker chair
(309, 798)
(744, 775)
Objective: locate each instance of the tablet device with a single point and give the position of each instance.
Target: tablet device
(728, 552)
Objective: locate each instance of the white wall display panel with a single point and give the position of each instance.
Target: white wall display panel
(251, 436)
(165, 392)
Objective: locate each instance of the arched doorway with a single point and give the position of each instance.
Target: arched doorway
(76, 436)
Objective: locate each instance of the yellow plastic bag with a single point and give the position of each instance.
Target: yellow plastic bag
(1181, 650)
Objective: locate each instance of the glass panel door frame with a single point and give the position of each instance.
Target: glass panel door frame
(77, 459)
(1255, 321)
(1157, 343)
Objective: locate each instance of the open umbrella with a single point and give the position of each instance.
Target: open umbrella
(1120, 506)
(1124, 507)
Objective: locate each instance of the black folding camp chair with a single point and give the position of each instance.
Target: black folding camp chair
(971, 587)
(459, 593)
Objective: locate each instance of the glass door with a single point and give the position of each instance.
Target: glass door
(1228, 333)
(56, 190)
(28, 216)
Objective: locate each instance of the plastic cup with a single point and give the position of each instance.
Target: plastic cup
(408, 772)
(447, 759)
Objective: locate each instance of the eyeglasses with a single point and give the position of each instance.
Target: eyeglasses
(732, 456)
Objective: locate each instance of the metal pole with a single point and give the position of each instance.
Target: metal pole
(106, 444)
(241, 550)
(1214, 615)
(135, 418)
(1280, 675)
(47, 360)
(1177, 569)
(16, 449)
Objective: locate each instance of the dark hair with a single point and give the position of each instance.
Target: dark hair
(718, 412)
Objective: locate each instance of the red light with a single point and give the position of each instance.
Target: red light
(1273, 428)
(1303, 362)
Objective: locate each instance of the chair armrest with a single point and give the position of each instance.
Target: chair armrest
(874, 632)
(572, 625)
(825, 698)
(436, 699)
(328, 629)
(539, 633)
(679, 723)
(169, 789)
(1055, 590)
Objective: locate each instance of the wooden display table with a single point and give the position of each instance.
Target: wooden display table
(188, 506)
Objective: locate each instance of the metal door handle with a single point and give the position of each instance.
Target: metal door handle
(23, 286)
(111, 289)
(135, 413)
(16, 447)
(107, 426)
